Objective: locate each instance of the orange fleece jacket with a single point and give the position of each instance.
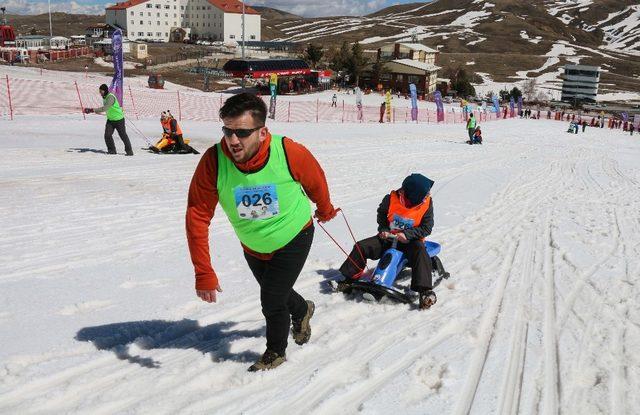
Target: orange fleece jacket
(203, 199)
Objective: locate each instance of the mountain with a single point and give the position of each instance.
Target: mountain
(508, 40)
(64, 24)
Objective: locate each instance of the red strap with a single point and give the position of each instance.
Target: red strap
(340, 247)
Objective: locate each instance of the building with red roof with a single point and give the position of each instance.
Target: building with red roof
(164, 20)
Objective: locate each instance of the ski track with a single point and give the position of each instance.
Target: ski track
(532, 320)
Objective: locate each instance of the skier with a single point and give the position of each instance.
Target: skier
(471, 126)
(383, 108)
(631, 127)
(334, 101)
(584, 125)
(263, 183)
(115, 120)
(406, 213)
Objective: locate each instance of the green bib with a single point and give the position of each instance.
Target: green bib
(114, 113)
(268, 208)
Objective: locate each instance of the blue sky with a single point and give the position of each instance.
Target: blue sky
(307, 8)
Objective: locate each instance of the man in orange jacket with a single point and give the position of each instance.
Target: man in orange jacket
(406, 213)
(263, 183)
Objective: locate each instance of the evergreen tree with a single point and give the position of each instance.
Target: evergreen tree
(313, 54)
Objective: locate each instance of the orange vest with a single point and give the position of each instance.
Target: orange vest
(401, 217)
(166, 126)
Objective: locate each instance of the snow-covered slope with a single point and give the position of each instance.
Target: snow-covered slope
(540, 233)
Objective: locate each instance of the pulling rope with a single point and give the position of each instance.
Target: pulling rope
(358, 266)
(140, 132)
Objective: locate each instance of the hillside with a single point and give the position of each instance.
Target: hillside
(64, 24)
(506, 39)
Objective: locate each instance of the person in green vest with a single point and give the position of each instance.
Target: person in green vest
(471, 126)
(264, 183)
(115, 121)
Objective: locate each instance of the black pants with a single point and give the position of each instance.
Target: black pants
(471, 132)
(122, 132)
(280, 302)
(373, 248)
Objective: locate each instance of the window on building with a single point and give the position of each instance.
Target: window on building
(149, 14)
(132, 13)
(157, 14)
(166, 15)
(158, 33)
(141, 14)
(175, 24)
(175, 15)
(166, 34)
(132, 22)
(149, 6)
(232, 36)
(182, 15)
(158, 23)
(158, 6)
(141, 22)
(166, 23)
(166, 6)
(181, 7)
(149, 34)
(253, 37)
(149, 22)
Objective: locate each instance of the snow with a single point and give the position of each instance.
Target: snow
(125, 64)
(470, 19)
(99, 314)
(475, 42)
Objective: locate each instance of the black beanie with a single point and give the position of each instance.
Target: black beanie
(416, 187)
(104, 88)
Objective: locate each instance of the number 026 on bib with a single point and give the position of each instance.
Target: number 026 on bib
(257, 202)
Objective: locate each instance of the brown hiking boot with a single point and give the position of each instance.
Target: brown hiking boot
(301, 329)
(268, 360)
(427, 299)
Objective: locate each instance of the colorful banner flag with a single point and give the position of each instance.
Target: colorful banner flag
(439, 106)
(272, 107)
(496, 105)
(625, 117)
(118, 69)
(414, 102)
(512, 105)
(273, 84)
(520, 104)
(388, 102)
(359, 102)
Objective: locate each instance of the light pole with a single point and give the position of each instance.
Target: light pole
(50, 25)
(242, 47)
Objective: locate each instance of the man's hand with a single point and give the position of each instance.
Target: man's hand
(384, 235)
(326, 217)
(88, 110)
(209, 295)
(401, 237)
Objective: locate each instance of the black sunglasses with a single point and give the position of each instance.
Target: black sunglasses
(239, 132)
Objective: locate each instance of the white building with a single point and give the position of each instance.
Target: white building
(580, 83)
(218, 20)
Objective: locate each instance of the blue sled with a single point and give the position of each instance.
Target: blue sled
(380, 283)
